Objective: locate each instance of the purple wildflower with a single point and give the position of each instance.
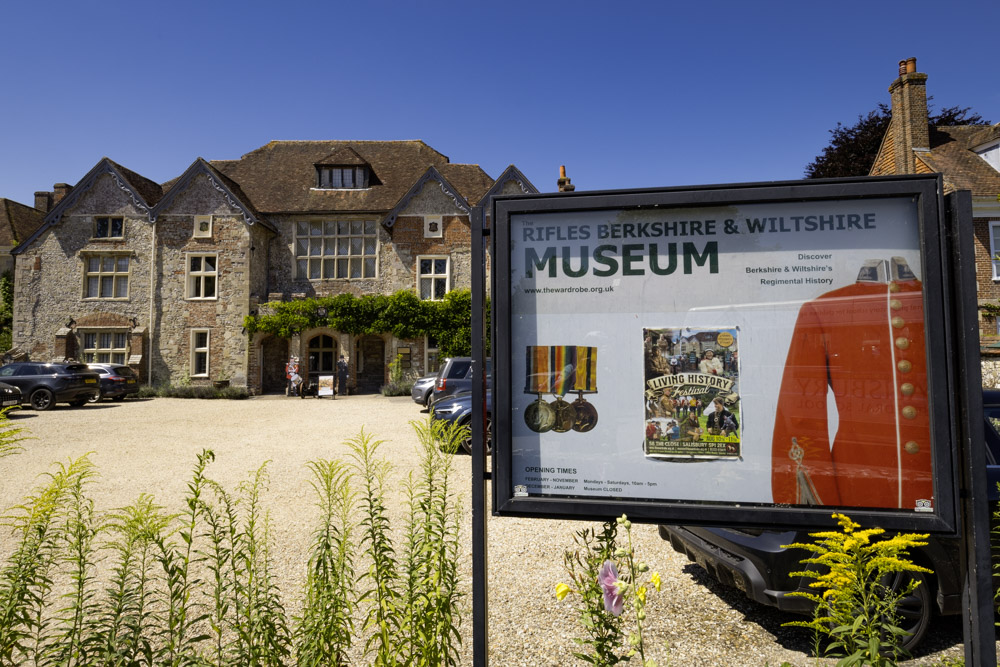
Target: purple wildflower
(614, 602)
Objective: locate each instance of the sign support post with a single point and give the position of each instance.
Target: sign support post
(977, 611)
(480, 585)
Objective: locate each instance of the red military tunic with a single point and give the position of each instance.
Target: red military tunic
(866, 342)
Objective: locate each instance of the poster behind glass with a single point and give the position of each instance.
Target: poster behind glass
(756, 353)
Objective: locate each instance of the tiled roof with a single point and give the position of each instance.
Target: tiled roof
(17, 221)
(150, 191)
(951, 154)
(280, 177)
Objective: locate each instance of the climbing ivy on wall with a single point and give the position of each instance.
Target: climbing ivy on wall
(402, 314)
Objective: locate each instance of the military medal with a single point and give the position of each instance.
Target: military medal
(539, 416)
(586, 414)
(565, 415)
(560, 369)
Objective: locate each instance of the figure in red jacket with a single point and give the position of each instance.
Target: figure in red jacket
(865, 342)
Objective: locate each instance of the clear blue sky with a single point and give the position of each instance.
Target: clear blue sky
(625, 94)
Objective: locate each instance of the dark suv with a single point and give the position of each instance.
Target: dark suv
(44, 385)
(754, 561)
(117, 381)
(455, 377)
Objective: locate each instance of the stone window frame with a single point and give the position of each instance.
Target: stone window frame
(433, 276)
(200, 353)
(91, 354)
(102, 273)
(199, 277)
(994, 227)
(202, 228)
(109, 228)
(336, 249)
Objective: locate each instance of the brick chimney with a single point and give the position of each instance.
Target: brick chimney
(909, 116)
(43, 201)
(563, 182)
(60, 190)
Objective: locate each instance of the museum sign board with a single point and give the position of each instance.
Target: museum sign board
(765, 352)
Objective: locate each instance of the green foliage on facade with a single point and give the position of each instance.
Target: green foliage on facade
(402, 314)
(6, 310)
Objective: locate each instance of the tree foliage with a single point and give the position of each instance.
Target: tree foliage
(402, 314)
(853, 149)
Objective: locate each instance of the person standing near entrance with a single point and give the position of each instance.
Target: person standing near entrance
(342, 376)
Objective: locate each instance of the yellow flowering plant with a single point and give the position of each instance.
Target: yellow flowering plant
(856, 604)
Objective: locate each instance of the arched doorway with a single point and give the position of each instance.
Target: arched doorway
(370, 360)
(273, 357)
(322, 355)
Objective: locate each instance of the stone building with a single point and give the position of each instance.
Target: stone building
(968, 158)
(161, 276)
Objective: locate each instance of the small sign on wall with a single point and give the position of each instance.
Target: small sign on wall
(433, 227)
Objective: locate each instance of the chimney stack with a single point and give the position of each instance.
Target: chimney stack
(909, 128)
(43, 201)
(563, 182)
(60, 190)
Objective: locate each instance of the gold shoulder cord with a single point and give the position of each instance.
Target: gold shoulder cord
(805, 492)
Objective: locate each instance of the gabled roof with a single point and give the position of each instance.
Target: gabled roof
(17, 221)
(431, 174)
(280, 177)
(511, 173)
(951, 154)
(230, 190)
(343, 156)
(143, 192)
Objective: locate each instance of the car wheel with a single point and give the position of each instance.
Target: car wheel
(118, 399)
(42, 399)
(467, 441)
(79, 402)
(95, 399)
(914, 610)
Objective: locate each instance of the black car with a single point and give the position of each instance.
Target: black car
(10, 396)
(458, 410)
(117, 381)
(754, 561)
(48, 384)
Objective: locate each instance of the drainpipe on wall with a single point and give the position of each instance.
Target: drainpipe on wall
(152, 273)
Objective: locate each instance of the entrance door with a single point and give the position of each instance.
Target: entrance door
(371, 369)
(273, 357)
(322, 356)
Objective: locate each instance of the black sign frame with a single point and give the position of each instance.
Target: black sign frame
(944, 325)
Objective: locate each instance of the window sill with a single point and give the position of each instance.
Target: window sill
(201, 298)
(105, 239)
(315, 189)
(106, 298)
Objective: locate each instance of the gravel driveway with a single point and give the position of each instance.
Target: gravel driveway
(150, 445)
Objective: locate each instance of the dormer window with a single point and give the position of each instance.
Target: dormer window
(347, 178)
(990, 153)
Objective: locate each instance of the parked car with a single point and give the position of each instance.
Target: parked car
(754, 561)
(48, 384)
(458, 410)
(10, 396)
(455, 377)
(422, 389)
(117, 381)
